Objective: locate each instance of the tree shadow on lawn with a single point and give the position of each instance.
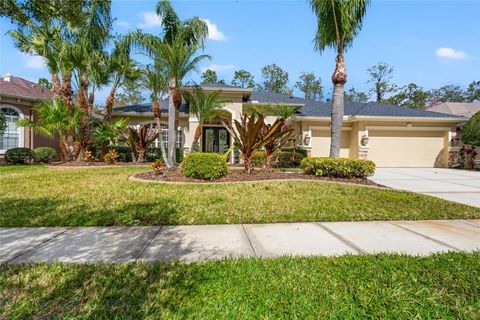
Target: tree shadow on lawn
(45, 212)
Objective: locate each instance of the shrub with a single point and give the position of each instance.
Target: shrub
(156, 153)
(288, 159)
(88, 156)
(157, 166)
(111, 156)
(258, 158)
(44, 154)
(338, 168)
(19, 156)
(206, 166)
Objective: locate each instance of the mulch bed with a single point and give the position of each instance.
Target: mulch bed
(240, 176)
(95, 164)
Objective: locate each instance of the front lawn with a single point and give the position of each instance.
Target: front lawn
(444, 286)
(45, 196)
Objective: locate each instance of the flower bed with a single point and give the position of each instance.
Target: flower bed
(240, 176)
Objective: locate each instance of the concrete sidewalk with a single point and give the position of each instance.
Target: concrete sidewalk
(197, 243)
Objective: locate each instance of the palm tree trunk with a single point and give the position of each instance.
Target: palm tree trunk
(86, 141)
(196, 137)
(172, 130)
(339, 78)
(55, 85)
(157, 112)
(66, 90)
(107, 113)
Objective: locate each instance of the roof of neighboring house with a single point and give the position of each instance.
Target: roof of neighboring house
(19, 87)
(457, 108)
(147, 107)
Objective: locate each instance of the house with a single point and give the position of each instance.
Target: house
(18, 98)
(391, 136)
(457, 108)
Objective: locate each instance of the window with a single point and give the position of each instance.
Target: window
(180, 138)
(11, 138)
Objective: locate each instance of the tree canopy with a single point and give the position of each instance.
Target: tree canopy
(310, 85)
(275, 79)
(471, 131)
(243, 79)
(381, 78)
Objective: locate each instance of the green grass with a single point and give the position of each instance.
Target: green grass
(444, 286)
(45, 196)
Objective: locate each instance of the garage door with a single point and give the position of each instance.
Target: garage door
(407, 148)
(321, 143)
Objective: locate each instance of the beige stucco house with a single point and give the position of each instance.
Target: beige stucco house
(18, 98)
(391, 136)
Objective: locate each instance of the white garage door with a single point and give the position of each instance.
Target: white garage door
(407, 148)
(321, 143)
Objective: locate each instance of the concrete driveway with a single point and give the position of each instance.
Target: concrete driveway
(450, 184)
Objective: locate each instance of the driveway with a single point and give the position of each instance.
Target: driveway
(450, 184)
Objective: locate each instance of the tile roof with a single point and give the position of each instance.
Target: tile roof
(457, 108)
(23, 88)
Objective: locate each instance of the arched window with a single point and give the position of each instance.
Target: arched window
(13, 135)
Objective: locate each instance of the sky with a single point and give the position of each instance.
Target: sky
(430, 43)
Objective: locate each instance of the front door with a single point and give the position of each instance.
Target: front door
(215, 140)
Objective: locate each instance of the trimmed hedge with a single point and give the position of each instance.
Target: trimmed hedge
(287, 159)
(338, 168)
(19, 156)
(44, 154)
(206, 166)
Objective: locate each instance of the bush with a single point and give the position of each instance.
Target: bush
(206, 166)
(19, 156)
(156, 153)
(338, 168)
(258, 158)
(288, 159)
(157, 166)
(44, 154)
(111, 156)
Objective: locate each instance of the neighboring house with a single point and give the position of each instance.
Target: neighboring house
(457, 108)
(18, 98)
(466, 110)
(391, 136)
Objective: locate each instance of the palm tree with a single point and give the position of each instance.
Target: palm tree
(339, 21)
(54, 121)
(179, 59)
(154, 80)
(205, 106)
(175, 50)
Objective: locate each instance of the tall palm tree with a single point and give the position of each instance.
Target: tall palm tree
(338, 22)
(179, 59)
(178, 37)
(205, 106)
(154, 81)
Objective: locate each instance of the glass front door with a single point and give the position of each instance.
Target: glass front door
(215, 140)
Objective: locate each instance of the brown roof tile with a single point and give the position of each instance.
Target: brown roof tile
(23, 88)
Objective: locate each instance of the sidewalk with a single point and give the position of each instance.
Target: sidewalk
(198, 243)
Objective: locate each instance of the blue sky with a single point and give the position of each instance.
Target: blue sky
(430, 43)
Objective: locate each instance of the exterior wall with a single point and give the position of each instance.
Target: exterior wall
(30, 139)
(355, 138)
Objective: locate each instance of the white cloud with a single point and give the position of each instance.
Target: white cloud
(122, 23)
(450, 53)
(213, 32)
(32, 61)
(150, 20)
(218, 67)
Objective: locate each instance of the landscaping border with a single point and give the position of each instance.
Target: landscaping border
(135, 179)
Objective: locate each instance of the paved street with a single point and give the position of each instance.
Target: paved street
(451, 184)
(198, 243)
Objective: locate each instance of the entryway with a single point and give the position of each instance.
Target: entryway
(215, 139)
